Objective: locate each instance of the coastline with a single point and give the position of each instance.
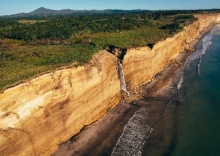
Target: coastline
(66, 102)
(160, 101)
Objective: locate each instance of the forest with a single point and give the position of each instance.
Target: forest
(33, 45)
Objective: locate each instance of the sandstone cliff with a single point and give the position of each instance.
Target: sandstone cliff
(141, 64)
(39, 115)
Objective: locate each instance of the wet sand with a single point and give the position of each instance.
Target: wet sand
(161, 101)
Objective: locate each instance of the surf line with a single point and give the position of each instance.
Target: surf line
(206, 43)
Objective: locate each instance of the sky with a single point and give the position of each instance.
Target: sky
(8, 7)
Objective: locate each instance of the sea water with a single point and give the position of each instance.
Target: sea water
(198, 119)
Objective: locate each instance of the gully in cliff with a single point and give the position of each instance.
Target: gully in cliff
(121, 77)
(119, 53)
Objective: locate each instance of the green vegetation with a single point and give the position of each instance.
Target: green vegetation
(33, 45)
(24, 21)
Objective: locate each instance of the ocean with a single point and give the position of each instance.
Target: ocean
(198, 116)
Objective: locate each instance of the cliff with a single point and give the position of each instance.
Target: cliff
(39, 115)
(141, 64)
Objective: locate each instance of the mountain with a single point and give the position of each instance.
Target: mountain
(43, 11)
(49, 12)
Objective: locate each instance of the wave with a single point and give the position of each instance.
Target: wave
(206, 43)
(180, 83)
(134, 136)
(199, 53)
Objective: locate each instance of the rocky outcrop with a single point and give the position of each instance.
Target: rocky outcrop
(39, 115)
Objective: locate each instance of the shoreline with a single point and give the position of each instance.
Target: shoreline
(66, 103)
(199, 88)
(101, 137)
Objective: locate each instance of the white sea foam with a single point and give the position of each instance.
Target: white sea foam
(198, 54)
(206, 43)
(134, 136)
(179, 85)
(207, 40)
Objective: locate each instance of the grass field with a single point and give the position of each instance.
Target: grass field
(21, 60)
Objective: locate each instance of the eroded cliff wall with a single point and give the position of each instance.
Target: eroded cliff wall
(141, 64)
(39, 115)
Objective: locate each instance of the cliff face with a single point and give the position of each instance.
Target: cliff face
(141, 64)
(39, 115)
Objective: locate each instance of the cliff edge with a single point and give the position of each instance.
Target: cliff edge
(39, 115)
